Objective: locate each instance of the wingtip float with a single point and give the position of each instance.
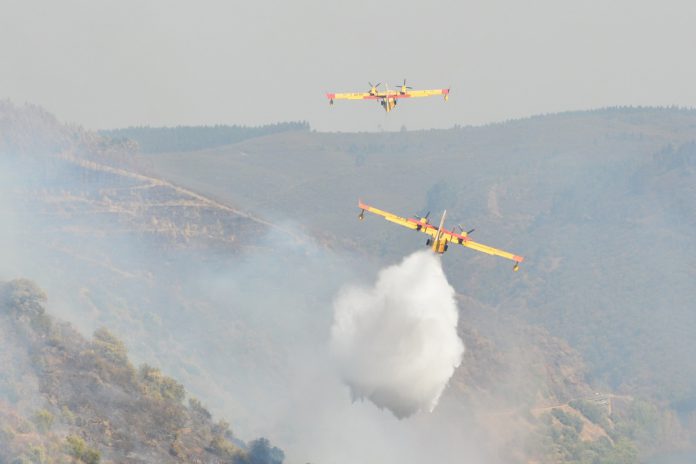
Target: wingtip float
(440, 238)
(388, 98)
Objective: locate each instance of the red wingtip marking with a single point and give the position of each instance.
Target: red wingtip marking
(330, 96)
(519, 259)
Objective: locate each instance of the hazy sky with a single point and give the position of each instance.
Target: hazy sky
(105, 64)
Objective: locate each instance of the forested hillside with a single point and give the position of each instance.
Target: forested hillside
(601, 204)
(94, 233)
(221, 265)
(188, 138)
(64, 398)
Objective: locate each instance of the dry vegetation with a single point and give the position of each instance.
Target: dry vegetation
(92, 404)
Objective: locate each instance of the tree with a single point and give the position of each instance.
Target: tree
(78, 448)
(261, 452)
(24, 297)
(109, 346)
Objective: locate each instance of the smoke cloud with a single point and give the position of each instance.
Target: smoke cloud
(396, 344)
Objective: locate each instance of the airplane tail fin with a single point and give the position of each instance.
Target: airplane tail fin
(442, 224)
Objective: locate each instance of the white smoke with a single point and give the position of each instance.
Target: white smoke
(396, 344)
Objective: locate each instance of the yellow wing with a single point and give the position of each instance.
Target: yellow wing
(424, 93)
(449, 236)
(465, 241)
(376, 95)
(492, 251)
(388, 216)
(352, 96)
(427, 93)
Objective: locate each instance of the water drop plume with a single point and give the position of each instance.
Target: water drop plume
(396, 344)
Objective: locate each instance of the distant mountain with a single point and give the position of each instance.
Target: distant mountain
(191, 138)
(31, 129)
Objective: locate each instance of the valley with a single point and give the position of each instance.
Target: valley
(219, 267)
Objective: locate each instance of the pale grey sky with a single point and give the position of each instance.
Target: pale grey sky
(105, 64)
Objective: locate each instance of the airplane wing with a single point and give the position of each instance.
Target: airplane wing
(451, 237)
(423, 93)
(352, 96)
(410, 223)
(464, 240)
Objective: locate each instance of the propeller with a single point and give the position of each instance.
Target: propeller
(427, 215)
(374, 86)
(403, 86)
(462, 229)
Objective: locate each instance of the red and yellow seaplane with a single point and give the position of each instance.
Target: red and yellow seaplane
(440, 237)
(387, 98)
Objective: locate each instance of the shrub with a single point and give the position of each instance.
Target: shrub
(109, 346)
(24, 296)
(594, 412)
(220, 447)
(68, 415)
(261, 452)
(43, 420)
(569, 420)
(197, 407)
(159, 385)
(38, 454)
(79, 449)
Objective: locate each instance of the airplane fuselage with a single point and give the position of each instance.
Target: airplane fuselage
(437, 243)
(388, 103)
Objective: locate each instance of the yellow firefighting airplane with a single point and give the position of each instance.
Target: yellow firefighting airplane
(387, 98)
(440, 237)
